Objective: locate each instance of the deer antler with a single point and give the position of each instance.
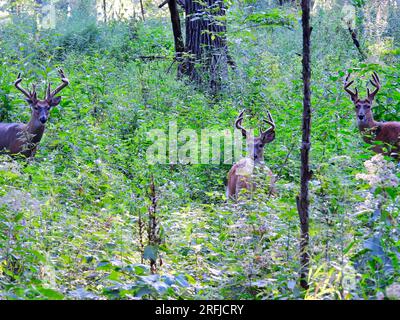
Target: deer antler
(65, 82)
(29, 95)
(347, 84)
(238, 123)
(271, 122)
(376, 83)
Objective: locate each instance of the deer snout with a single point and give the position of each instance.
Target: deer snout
(43, 119)
(361, 116)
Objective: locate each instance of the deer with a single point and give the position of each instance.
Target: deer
(23, 139)
(239, 176)
(371, 130)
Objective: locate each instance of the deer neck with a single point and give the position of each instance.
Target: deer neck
(36, 129)
(368, 128)
(370, 123)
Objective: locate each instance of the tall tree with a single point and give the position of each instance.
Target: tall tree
(303, 200)
(104, 5)
(176, 29)
(142, 9)
(205, 42)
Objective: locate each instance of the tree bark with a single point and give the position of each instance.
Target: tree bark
(303, 201)
(153, 231)
(205, 46)
(105, 11)
(142, 9)
(177, 31)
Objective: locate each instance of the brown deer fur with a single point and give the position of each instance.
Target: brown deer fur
(371, 130)
(239, 176)
(23, 139)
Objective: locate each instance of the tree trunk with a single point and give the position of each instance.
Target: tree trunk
(105, 11)
(303, 201)
(176, 28)
(142, 9)
(153, 227)
(206, 46)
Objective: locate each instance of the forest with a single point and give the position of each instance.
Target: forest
(199, 150)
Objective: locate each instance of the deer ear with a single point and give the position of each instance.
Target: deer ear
(55, 101)
(371, 100)
(268, 137)
(30, 101)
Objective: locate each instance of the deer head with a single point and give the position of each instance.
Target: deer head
(363, 106)
(255, 146)
(40, 108)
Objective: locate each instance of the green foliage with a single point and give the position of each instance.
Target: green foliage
(274, 17)
(69, 219)
(358, 3)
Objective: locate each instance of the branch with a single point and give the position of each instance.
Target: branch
(152, 58)
(303, 199)
(163, 4)
(353, 35)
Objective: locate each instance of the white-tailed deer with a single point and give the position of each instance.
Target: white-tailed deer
(19, 138)
(371, 130)
(239, 177)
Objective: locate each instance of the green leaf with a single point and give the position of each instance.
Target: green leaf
(50, 293)
(150, 252)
